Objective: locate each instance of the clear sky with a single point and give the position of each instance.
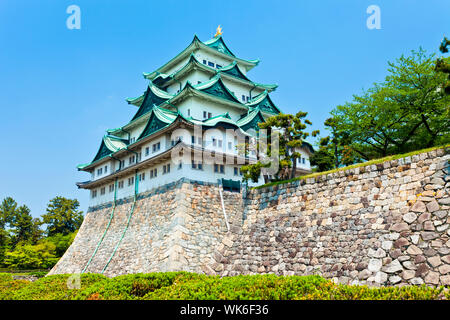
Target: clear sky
(60, 89)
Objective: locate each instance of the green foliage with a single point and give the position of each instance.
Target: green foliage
(28, 256)
(62, 216)
(25, 229)
(443, 65)
(62, 242)
(405, 112)
(290, 130)
(191, 286)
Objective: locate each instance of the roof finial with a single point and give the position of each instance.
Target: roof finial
(218, 31)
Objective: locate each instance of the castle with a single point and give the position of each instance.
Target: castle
(386, 223)
(197, 109)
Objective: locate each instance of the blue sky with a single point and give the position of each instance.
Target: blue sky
(61, 89)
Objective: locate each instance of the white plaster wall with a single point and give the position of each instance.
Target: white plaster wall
(197, 106)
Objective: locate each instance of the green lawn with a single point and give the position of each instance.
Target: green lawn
(191, 286)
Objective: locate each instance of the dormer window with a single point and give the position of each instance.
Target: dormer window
(132, 140)
(156, 147)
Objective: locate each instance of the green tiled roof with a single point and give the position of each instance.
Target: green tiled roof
(263, 102)
(153, 96)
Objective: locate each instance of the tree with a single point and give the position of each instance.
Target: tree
(62, 216)
(7, 211)
(8, 207)
(291, 133)
(443, 66)
(407, 111)
(24, 227)
(334, 150)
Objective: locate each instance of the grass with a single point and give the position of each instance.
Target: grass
(357, 165)
(192, 286)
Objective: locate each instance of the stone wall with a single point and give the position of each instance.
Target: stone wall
(175, 227)
(383, 224)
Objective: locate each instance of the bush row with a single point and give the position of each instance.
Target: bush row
(191, 286)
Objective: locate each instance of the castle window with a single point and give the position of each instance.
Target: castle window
(94, 193)
(219, 143)
(180, 165)
(218, 66)
(189, 112)
(236, 171)
(130, 181)
(197, 166)
(147, 151)
(303, 160)
(211, 64)
(248, 98)
(156, 147)
(120, 184)
(219, 168)
(131, 160)
(204, 61)
(102, 191)
(214, 142)
(230, 146)
(132, 140)
(193, 139)
(142, 176)
(111, 187)
(106, 169)
(243, 98)
(166, 168)
(99, 171)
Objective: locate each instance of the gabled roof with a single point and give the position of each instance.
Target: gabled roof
(218, 44)
(159, 118)
(251, 120)
(156, 93)
(233, 70)
(152, 96)
(263, 102)
(214, 45)
(216, 87)
(109, 144)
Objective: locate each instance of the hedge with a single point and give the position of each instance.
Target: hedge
(191, 286)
